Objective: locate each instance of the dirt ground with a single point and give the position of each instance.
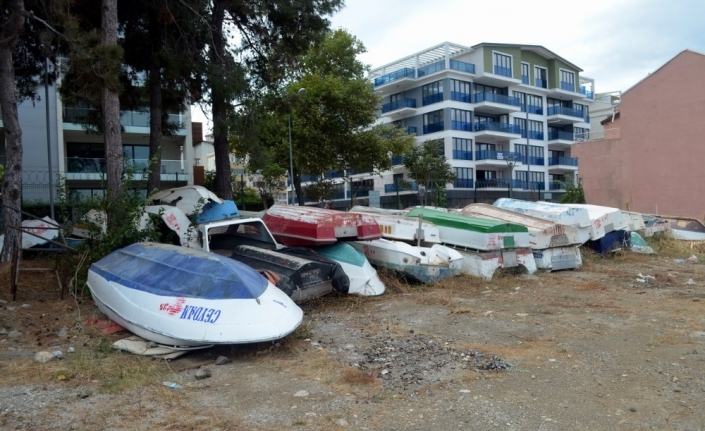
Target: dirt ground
(574, 350)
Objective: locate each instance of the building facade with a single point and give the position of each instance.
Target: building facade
(649, 159)
(56, 147)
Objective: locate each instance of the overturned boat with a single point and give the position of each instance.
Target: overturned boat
(177, 296)
(312, 226)
(395, 227)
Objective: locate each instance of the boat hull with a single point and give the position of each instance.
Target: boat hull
(558, 258)
(398, 228)
(484, 264)
(364, 280)
(613, 241)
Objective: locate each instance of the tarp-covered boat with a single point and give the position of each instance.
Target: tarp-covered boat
(312, 226)
(179, 296)
(557, 213)
(400, 228)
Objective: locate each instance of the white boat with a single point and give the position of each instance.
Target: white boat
(611, 219)
(182, 297)
(635, 221)
(557, 258)
(36, 232)
(189, 199)
(364, 280)
(424, 264)
(400, 228)
(485, 264)
(374, 210)
(558, 213)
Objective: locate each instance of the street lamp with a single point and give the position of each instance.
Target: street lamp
(511, 159)
(291, 152)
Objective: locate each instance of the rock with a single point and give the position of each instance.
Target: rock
(632, 409)
(63, 332)
(677, 389)
(2, 301)
(84, 393)
(14, 334)
(3, 331)
(70, 349)
(221, 360)
(197, 385)
(341, 422)
(58, 354)
(10, 308)
(203, 373)
(43, 357)
(301, 393)
(26, 306)
(349, 346)
(690, 282)
(201, 419)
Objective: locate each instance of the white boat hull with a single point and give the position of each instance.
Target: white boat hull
(558, 258)
(364, 280)
(481, 241)
(398, 228)
(484, 264)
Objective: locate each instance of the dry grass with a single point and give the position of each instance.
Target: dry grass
(357, 377)
(592, 285)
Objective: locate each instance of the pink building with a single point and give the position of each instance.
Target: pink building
(650, 158)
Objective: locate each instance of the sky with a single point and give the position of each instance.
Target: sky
(616, 42)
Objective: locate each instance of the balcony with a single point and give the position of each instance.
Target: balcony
(80, 168)
(568, 86)
(585, 92)
(433, 128)
(406, 186)
(525, 79)
(405, 73)
(360, 193)
(533, 109)
(503, 71)
(462, 66)
(560, 135)
(403, 106)
(531, 185)
(460, 97)
(563, 161)
(533, 134)
(461, 125)
(397, 160)
(431, 68)
(493, 131)
(411, 130)
(462, 155)
(463, 183)
(434, 98)
(541, 83)
(493, 183)
(127, 118)
(496, 104)
(496, 158)
(535, 161)
(563, 115)
(556, 185)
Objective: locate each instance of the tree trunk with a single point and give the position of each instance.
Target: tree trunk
(224, 186)
(156, 30)
(12, 184)
(111, 118)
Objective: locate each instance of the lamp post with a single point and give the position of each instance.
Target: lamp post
(291, 153)
(511, 159)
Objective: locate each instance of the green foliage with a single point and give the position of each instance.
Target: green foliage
(320, 191)
(574, 193)
(426, 164)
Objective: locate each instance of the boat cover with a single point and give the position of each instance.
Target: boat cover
(459, 221)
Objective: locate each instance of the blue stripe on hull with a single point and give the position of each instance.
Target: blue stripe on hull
(424, 274)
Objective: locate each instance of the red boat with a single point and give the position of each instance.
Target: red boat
(312, 226)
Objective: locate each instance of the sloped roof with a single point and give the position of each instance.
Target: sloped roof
(662, 66)
(538, 49)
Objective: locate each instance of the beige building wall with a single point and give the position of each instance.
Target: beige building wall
(657, 164)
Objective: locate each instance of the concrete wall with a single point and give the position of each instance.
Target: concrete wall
(656, 165)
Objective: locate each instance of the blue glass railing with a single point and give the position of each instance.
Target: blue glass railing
(568, 86)
(560, 134)
(398, 104)
(567, 161)
(462, 155)
(127, 118)
(532, 185)
(537, 161)
(397, 160)
(495, 126)
(406, 72)
(492, 183)
(434, 98)
(587, 93)
(432, 128)
(309, 178)
(462, 66)
(556, 186)
(411, 130)
(332, 174)
(460, 97)
(497, 98)
(407, 186)
(359, 193)
(541, 83)
(339, 195)
(82, 165)
(503, 71)
(525, 79)
(463, 183)
(461, 125)
(533, 134)
(561, 110)
(431, 68)
(497, 155)
(533, 109)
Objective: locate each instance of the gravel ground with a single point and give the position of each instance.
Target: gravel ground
(587, 349)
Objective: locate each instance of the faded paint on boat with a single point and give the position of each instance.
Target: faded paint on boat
(635, 221)
(557, 213)
(484, 264)
(400, 228)
(611, 219)
(363, 277)
(639, 245)
(474, 232)
(557, 258)
(189, 199)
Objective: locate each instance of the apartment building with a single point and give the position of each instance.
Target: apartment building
(649, 158)
(506, 114)
(56, 146)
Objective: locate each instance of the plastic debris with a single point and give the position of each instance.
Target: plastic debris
(642, 280)
(690, 282)
(172, 385)
(692, 259)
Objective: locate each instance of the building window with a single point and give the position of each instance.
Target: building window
(502, 64)
(461, 120)
(535, 128)
(432, 93)
(433, 122)
(460, 91)
(581, 110)
(567, 80)
(524, 73)
(580, 132)
(462, 149)
(536, 180)
(541, 74)
(463, 178)
(535, 154)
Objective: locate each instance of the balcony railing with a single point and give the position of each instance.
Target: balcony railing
(497, 98)
(504, 71)
(433, 128)
(431, 68)
(359, 192)
(406, 72)
(411, 130)
(462, 155)
(332, 174)
(556, 186)
(460, 97)
(492, 183)
(497, 127)
(561, 110)
(397, 160)
(560, 134)
(434, 98)
(533, 109)
(532, 185)
(463, 183)
(309, 178)
(567, 161)
(497, 155)
(461, 125)
(406, 186)
(525, 79)
(398, 104)
(588, 94)
(568, 86)
(127, 118)
(541, 83)
(83, 165)
(536, 161)
(462, 66)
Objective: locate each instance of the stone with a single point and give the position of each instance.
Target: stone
(10, 308)
(25, 306)
(3, 331)
(71, 349)
(301, 393)
(84, 393)
(63, 332)
(203, 373)
(43, 357)
(349, 346)
(341, 422)
(14, 334)
(58, 354)
(2, 301)
(221, 360)
(632, 409)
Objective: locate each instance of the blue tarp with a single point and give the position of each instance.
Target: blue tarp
(213, 211)
(168, 270)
